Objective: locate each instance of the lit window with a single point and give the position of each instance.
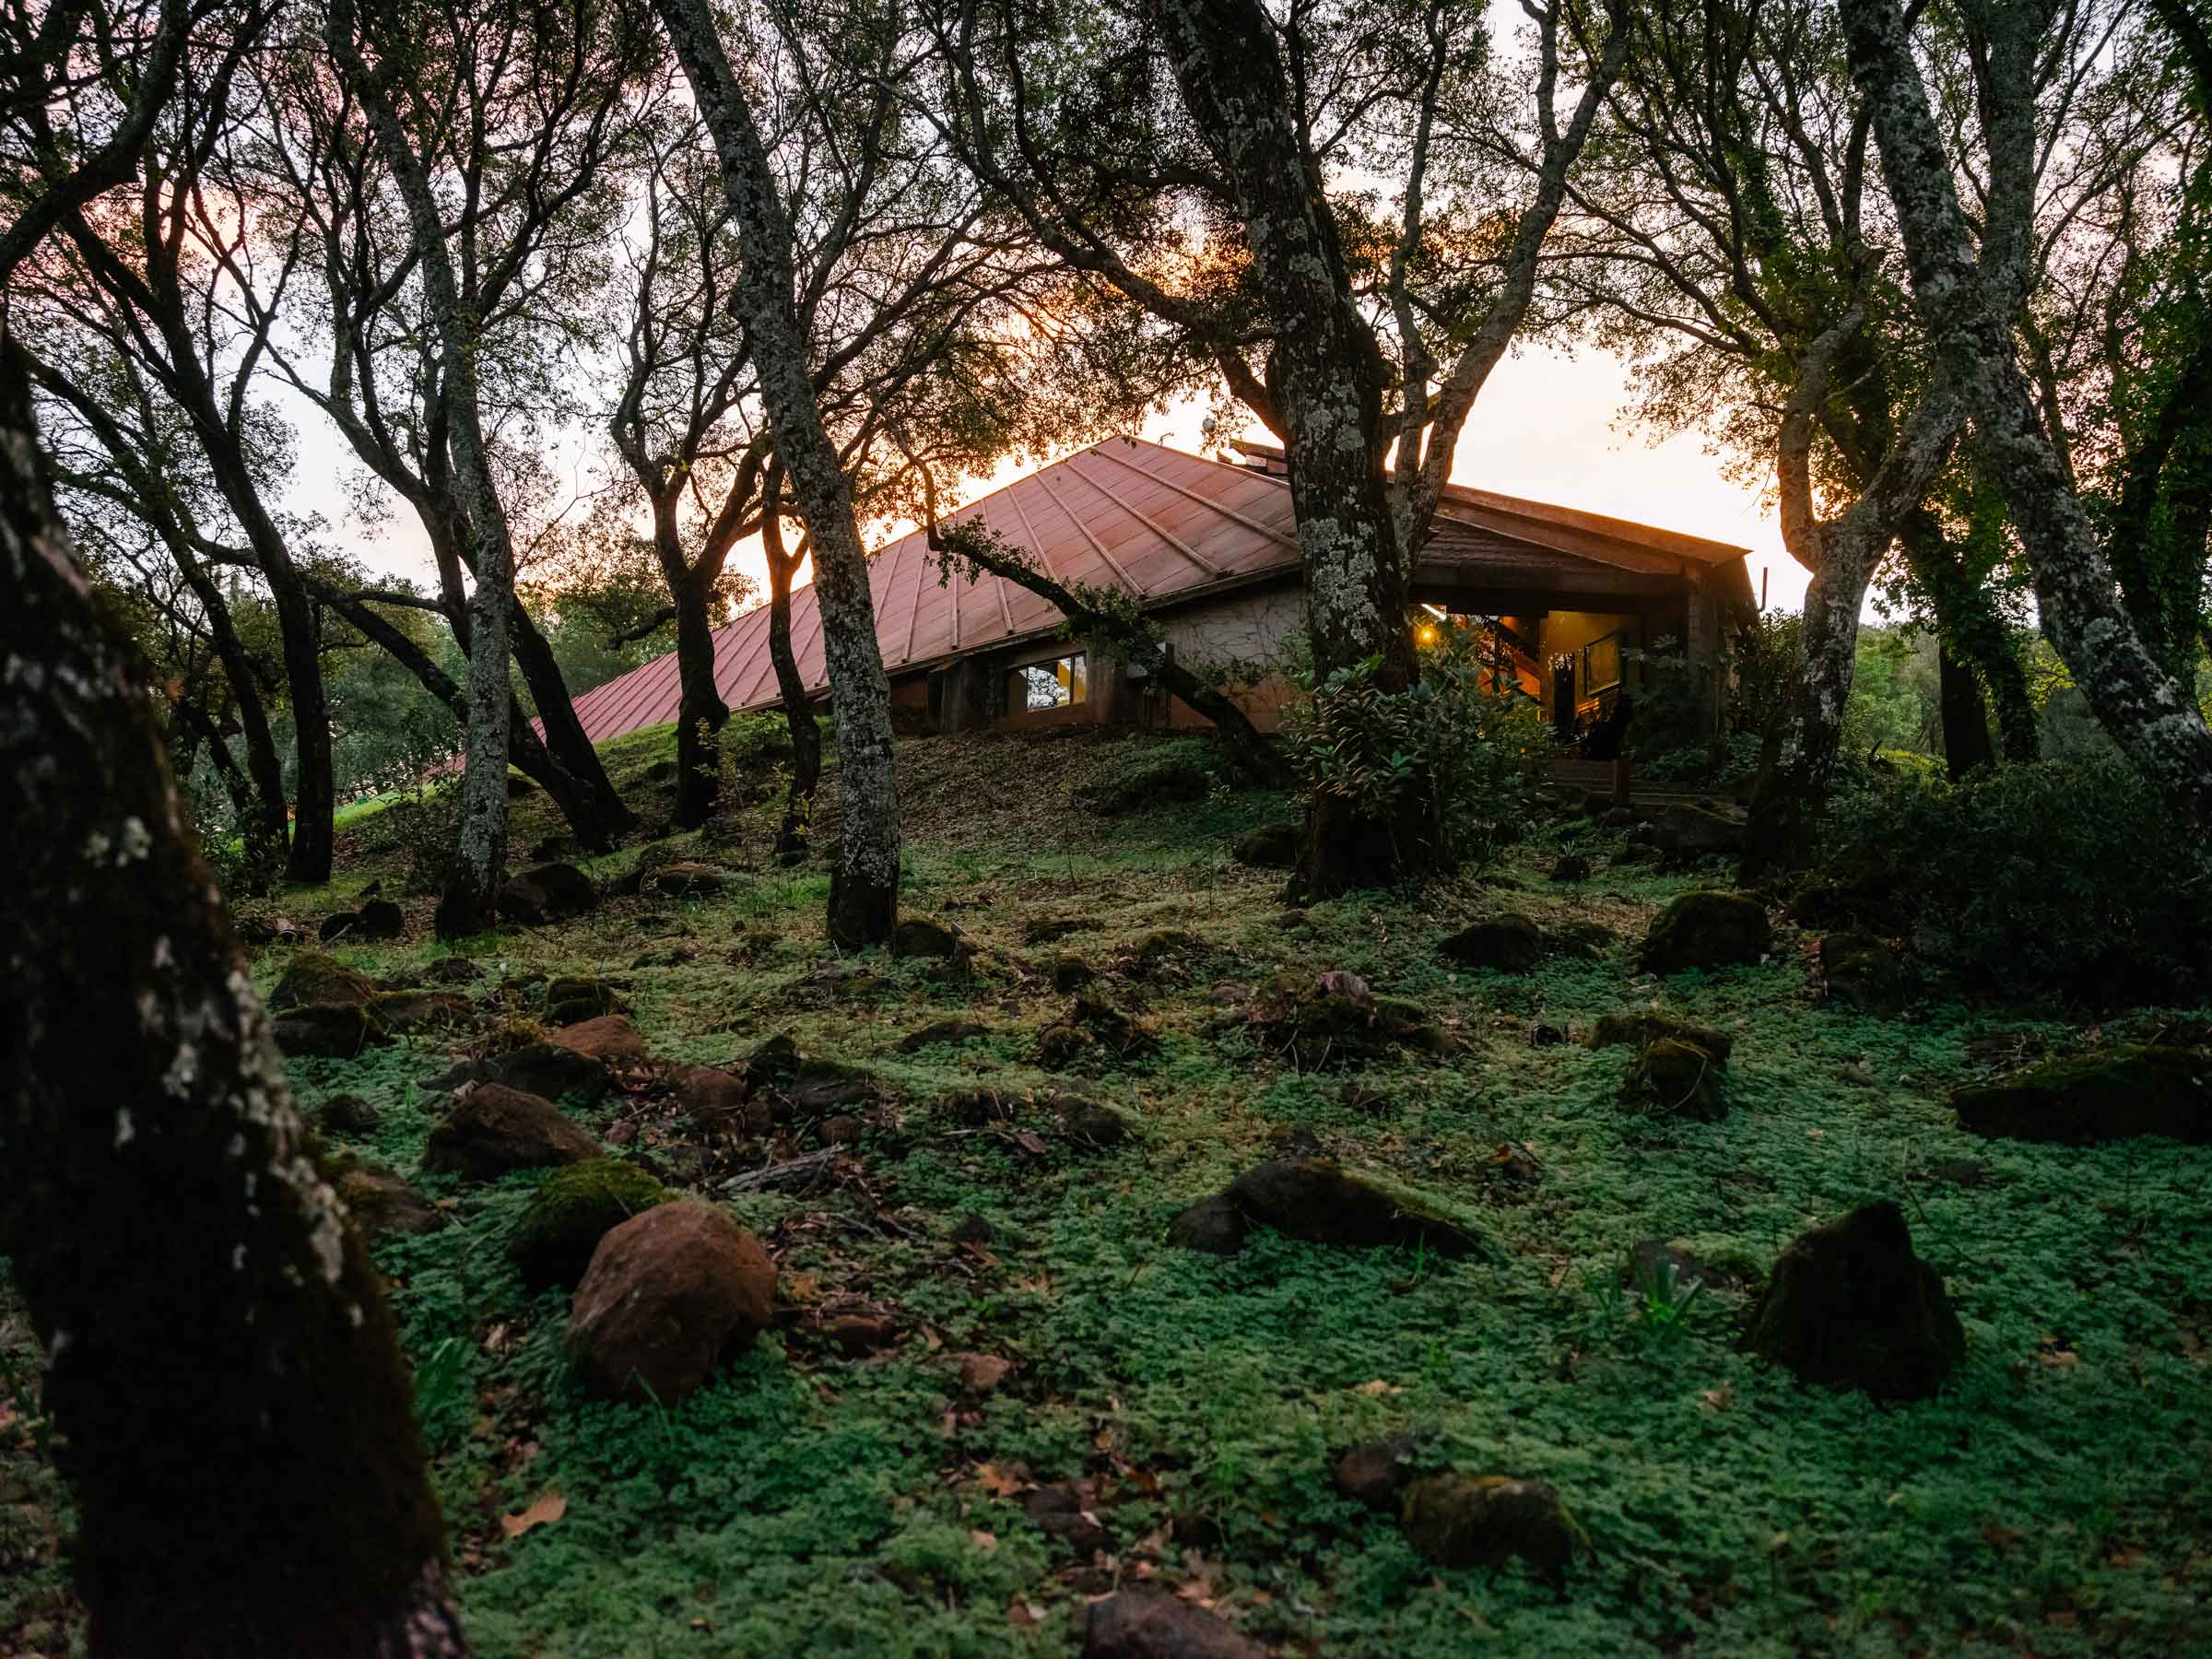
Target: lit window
(1052, 685)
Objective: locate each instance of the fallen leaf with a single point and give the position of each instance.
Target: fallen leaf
(984, 1541)
(1718, 1399)
(998, 1482)
(545, 1509)
(1377, 1389)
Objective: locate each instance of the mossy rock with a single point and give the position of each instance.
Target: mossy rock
(927, 936)
(1271, 847)
(1507, 943)
(574, 998)
(1849, 1305)
(328, 1030)
(2114, 1094)
(1486, 1519)
(1320, 1201)
(1860, 971)
(1640, 1026)
(403, 1013)
(1324, 1029)
(314, 977)
(1673, 1077)
(1708, 930)
(577, 1207)
(1062, 1046)
(549, 1069)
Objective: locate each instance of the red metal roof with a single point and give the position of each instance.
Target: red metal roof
(1156, 522)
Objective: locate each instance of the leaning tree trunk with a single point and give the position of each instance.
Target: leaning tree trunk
(238, 1422)
(1799, 758)
(791, 687)
(2149, 714)
(864, 892)
(606, 816)
(479, 866)
(1325, 377)
(525, 752)
(701, 713)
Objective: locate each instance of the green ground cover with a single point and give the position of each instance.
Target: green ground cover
(2053, 1499)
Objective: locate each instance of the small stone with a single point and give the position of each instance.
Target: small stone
(1216, 1226)
(1708, 930)
(1088, 1123)
(1071, 974)
(982, 1373)
(972, 1229)
(1059, 1514)
(1504, 945)
(1272, 847)
(551, 892)
(1571, 866)
(312, 977)
(328, 1030)
(452, 970)
(1673, 1077)
(1320, 1201)
(685, 879)
(349, 1114)
(610, 1040)
(404, 1013)
(840, 1130)
(381, 919)
(943, 1032)
(380, 1202)
(1960, 1171)
(1486, 1520)
(1151, 1624)
(926, 937)
(1376, 1472)
(1860, 971)
(1640, 1026)
(493, 1130)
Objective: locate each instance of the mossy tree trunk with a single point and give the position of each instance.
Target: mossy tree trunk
(219, 1358)
(1325, 381)
(2146, 710)
(863, 892)
(479, 866)
(791, 686)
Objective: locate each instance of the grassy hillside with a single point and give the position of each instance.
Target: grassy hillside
(2053, 1499)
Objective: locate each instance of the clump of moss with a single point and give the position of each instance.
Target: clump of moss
(577, 1207)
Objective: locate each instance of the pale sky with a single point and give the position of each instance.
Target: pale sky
(1549, 426)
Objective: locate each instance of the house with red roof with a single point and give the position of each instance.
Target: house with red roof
(1209, 548)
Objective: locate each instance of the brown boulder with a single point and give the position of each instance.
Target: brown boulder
(494, 1130)
(1151, 1624)
(717, 1099)
(669, 1295)
(380, 1202)
(611, 1040)
(684, 879)
(1850, 1305)
(328, 1030)
(549, 893)
(314, 976)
